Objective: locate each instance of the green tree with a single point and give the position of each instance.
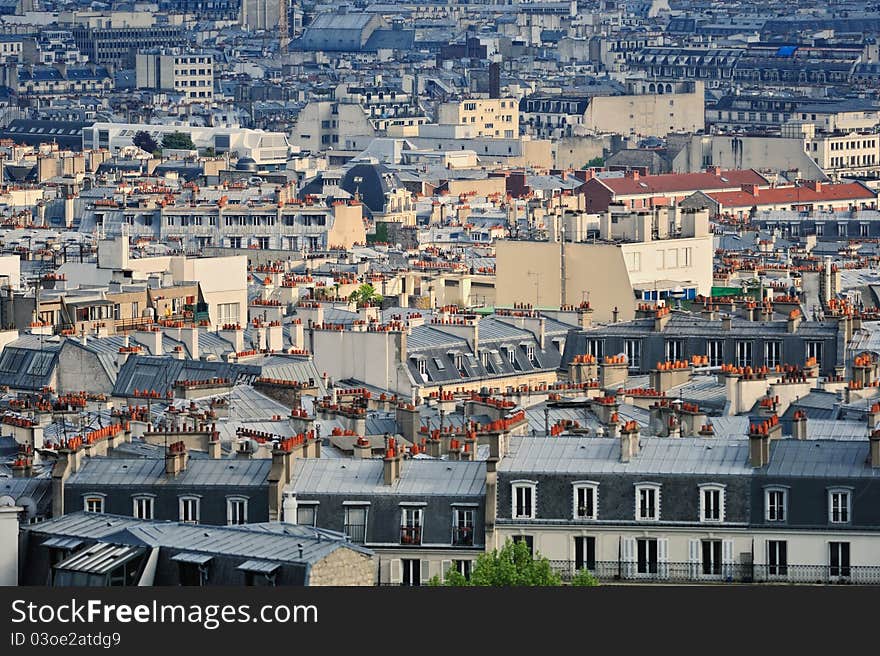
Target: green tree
(596, 161)
(584, 578)
(365, 294)
(144, 140)
(178, 141)
(512, 565)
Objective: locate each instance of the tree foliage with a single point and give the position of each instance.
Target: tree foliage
(584, 578)
(365, 294)
(144, 140)
(512, 565)
(178, 141)
(596, 161)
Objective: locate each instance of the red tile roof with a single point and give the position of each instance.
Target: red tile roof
(683, 182)
(795, 195)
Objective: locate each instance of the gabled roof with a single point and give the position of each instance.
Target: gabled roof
(794, 194)
(682, 182)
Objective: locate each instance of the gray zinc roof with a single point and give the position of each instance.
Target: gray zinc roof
(365, 477)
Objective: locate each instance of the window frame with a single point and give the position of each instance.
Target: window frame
(721, 489)
(832, 492)
(95, 496)
(232, 501)
(579, 486)
(532, 486)
(647, 487)
(780, 490)
(149, 500)
(181, 500)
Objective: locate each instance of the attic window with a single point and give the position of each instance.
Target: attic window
(439, 364)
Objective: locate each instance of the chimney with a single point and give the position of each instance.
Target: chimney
(629, 441)
(875, 449)
(152, 339)
(751, 189)
(615, 314)
(288, 508)
(726, 322)
(631, 174)
(408, 420)
(275, 337)
(714, 170)
(214, 451)
(190, 337)
(363, 447)
(759, 445)
(873, 416)
(391, 462)
(175, 458)
(799, 425)
(233, 334)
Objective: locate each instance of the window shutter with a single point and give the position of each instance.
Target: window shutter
(663, 558)
(694, 558)
(445, 566)
(424, 568)
(395, 571)
(628, 547)
(727, 559)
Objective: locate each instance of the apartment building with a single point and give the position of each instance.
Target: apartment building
(190, 73)
(756, 509)
(647, 108)
(118, 45)
(420, 517)
(489, 117)
(644, 254)
(268, 150)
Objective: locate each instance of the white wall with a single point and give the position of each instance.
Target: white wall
(9, 545)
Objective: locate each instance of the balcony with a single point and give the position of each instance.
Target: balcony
(410, 535)
(463, 536)
(667, 572)
(356, 533)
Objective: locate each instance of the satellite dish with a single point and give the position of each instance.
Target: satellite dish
(29, 506)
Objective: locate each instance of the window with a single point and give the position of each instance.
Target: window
(463, 527)
(584, 553)
(710, 557)
(355, 526)
(511, 355)
(143, 507)
(306, 513)
(236, 510)
(94, 504)
(524, 500)
(743, 354)
(838, 506)
(596, 348)
(646, 555)
(632, 349)
(463, 567)
(715, 352)
(228, 312)
(776, 502)
(530, 355)
(777, 557)
(814, 350)
(189, 510)
(647, 502)
(772, 353)
(674, 349)
(585, 497)
(412, 572)
(839, 559)
(410, 525)
(712, 503)
(423, 367)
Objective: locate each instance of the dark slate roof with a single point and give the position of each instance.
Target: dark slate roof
(33, 132)
(160, 373)
(199, 472)
(273, 542)
(27, 368)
